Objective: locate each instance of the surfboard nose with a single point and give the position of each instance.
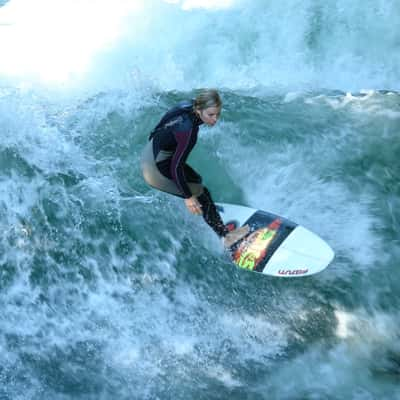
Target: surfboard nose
(305, 242)
(302, 253)
(276, 246)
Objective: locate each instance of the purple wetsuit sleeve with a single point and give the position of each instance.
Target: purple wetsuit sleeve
(185, 142)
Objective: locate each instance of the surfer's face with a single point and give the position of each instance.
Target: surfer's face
(209, 115)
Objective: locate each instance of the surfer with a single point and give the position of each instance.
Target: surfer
(164, 158)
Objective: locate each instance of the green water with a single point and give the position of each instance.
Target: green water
(112, 290)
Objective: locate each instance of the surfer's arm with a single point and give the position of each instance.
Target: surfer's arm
(193, 205)
(185, 142)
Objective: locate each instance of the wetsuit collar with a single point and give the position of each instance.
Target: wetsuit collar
(195, 119)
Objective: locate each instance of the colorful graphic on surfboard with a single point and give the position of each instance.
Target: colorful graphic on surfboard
(275, 245)
(250, 252)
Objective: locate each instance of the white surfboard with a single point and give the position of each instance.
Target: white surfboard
(275, 245)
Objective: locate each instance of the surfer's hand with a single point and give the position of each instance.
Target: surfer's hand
(193, 205)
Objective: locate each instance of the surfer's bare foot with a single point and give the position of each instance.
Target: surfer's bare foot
(235, 235)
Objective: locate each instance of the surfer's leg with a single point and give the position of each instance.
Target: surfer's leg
(214, 220)
(158, 176)
(211, 214)
(191, 175)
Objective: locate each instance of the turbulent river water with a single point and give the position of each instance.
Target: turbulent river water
(111, 290)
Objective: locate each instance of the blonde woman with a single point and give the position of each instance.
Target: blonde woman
(164, 158)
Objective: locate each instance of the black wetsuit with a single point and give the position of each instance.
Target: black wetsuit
(172, 141)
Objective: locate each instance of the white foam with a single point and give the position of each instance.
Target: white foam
(234, 47)
(224, 376)
(344, 320)
(288, 180)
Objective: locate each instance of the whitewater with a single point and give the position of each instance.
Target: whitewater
(112, 290)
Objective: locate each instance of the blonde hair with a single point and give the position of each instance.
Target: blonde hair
(207, 98)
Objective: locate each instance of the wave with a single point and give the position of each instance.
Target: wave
(240, 45)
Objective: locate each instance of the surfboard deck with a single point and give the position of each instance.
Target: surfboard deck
(275, 245)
